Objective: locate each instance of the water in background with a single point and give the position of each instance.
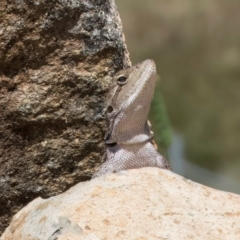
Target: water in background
(196, 45)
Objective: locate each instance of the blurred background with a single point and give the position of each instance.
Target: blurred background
(196, 46)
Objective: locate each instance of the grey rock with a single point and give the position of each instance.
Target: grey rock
(56, 62)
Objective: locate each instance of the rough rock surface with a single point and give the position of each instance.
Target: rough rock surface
(147, 203)
(56, 59)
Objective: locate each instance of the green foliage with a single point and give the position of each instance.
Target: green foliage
(159, 120)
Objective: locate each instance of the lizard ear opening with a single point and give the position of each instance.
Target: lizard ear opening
(121, 80)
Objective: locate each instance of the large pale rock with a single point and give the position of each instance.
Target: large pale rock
(146, 203)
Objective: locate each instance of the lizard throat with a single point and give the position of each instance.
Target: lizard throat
(141, 138)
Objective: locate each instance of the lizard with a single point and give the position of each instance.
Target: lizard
(129, 140)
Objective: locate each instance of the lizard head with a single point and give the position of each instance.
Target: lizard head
(131, 84)
(129, 100)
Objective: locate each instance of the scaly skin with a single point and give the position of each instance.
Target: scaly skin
(128, 138)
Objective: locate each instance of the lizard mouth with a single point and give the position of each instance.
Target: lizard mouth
(111, 145)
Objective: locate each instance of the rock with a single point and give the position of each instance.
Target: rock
(57, 58)
(147, 203)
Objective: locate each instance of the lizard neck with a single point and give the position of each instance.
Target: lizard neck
(128, 156)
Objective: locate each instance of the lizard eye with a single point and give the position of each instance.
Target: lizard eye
(121, 80)
(109, 109)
